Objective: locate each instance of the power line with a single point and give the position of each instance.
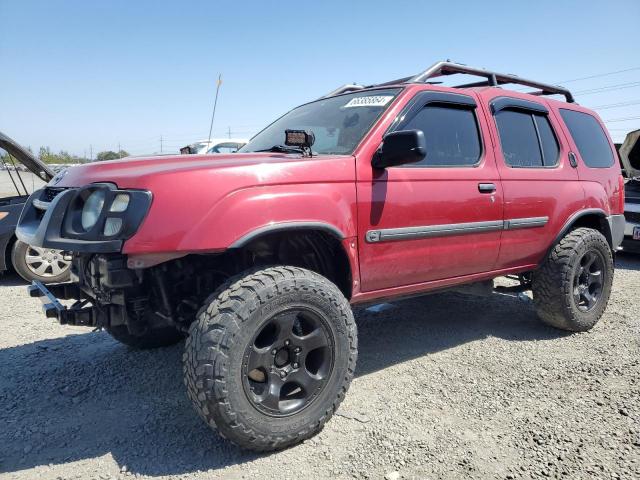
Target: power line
(622, 119)
(598, 75)
(616, 105)
(607, 88)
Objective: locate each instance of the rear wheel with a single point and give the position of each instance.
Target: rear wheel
(270, 357)
(572, 287)
(43, 264)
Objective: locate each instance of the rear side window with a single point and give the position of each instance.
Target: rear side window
(527, 139)
(589, 137)
(451, 134)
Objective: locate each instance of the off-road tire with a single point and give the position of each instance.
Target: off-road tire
(226, 325)
(152, 338)
(553, 285)
(18, 261)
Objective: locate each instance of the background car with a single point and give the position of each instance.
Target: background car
(630, 157)
(31, 263)
(216, 145)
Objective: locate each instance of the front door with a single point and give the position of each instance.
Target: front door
(440, 218)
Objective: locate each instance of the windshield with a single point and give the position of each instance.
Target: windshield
(338, 123)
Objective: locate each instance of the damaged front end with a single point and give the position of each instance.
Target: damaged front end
(93, 222)
(107, 293)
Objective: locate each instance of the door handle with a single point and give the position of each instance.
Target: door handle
(486, 187)
(573, 161)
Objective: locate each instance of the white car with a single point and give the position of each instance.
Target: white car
(215, 145)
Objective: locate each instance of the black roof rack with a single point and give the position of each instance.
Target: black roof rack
(493, 79)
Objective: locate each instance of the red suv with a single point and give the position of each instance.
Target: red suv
(368, 193)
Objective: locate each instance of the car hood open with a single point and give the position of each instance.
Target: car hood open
(630, 154)
(26, 158)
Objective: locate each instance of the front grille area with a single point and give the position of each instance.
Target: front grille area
(51, 192)
(632, 217)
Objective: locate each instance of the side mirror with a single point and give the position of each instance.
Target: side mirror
(399, 148)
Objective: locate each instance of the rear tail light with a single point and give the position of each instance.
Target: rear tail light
(620, 194)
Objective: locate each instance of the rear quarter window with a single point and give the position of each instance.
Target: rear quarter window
(589, 137)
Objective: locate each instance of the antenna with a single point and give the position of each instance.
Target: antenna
(215, 103)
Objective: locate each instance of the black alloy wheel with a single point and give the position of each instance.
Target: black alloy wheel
(287, 364)
(588, 280)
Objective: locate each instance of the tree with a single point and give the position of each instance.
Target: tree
(62, 157)
(111, 155)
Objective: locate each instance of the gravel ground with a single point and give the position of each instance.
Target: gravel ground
(447, 386)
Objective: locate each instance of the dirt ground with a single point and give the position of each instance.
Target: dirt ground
(447, 386)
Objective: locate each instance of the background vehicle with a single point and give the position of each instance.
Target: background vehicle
(630, 157)
(369, 192)
(216, 145)
(21, 174)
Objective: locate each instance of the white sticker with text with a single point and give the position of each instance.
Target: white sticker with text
(372, 101)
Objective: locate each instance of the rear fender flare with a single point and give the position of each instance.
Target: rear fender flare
(604, 226)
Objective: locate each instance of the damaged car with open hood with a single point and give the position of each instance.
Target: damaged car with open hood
(20, 173)
(630, 157)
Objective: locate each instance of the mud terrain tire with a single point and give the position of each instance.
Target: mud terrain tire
(226, 335)
(578, 268)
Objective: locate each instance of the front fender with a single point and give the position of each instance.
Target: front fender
(245, 213)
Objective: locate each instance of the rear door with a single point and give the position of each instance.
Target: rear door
(540, 186)
(440, 218)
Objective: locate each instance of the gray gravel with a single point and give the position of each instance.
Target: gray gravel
(447, 386)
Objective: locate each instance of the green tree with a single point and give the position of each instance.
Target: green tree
(47, 156)
(111, 155)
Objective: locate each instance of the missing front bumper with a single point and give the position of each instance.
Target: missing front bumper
(78, 314)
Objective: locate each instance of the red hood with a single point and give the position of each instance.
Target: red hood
(134, 172)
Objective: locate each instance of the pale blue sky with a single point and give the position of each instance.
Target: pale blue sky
(81, 73)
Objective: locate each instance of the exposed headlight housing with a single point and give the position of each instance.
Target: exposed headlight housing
(102, 212)
(92, 209)
(120, 202)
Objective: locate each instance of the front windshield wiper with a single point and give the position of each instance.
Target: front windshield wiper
(282, 149)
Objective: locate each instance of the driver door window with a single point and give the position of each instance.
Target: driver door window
(451, 134)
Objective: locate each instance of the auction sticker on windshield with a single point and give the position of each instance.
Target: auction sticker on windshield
(370, 101)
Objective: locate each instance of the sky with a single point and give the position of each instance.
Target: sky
(85, 76)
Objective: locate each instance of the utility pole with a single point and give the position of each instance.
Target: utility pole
(215, 103)
(91, 153)
(160, 143)
(119, 150)
(229, 131)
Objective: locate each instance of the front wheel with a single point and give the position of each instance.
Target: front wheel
(572, 287)
(271, 357)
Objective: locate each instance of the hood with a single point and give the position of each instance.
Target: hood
(136, 172)
(630, 154)
(26, 158)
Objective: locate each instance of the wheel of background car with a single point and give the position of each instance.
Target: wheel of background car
(271, 356)
(42, 264)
